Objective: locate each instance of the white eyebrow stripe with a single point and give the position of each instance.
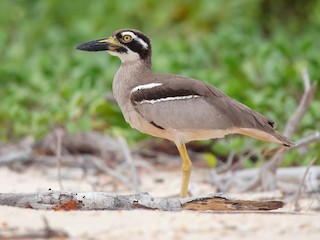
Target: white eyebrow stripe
(153, 101)
(145, 86)
(134, 36)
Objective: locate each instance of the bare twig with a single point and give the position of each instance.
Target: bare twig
(85, 161)
(304, 103)
(130, 163)
(284, 177)
(298, 194)
(222, 176)
(59, 135)
(112, 172)
(267, 176)
(251, 153)
(307, 140)
(83, 143)
(306, 79)
(225, 167)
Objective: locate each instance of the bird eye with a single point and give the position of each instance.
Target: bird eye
(127, 38)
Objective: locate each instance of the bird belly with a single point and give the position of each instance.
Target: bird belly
(138, 122)
(141, 124)
(191, 135)
(186, 135)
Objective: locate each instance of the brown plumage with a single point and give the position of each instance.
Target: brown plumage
(211, 110)
(174, 107)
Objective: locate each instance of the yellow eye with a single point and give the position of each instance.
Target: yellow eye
(127, 38)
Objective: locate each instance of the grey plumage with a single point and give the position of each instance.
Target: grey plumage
(212, 110)
(174, 107)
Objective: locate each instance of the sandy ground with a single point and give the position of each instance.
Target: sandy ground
(143, 224)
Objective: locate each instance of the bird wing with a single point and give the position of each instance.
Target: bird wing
(183, 103)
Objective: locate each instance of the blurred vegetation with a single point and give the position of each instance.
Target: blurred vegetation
(251, 50)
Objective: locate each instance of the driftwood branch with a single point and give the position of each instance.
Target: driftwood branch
(20, 152)
(105, 201)
(83, 150)
(304, 103)
(267, 176)
(59, 144)
(285, 177)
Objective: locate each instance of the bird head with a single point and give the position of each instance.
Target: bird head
(129, 45)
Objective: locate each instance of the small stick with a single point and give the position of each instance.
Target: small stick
(307, 140)
(129, 160)
(304, 103)
(59, 134)
(298, 194)
(306, 79)
(101, 166)
(225, 167)
(267, 175)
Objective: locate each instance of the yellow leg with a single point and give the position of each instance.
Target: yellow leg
(186, 169)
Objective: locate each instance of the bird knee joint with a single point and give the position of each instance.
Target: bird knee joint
(186, 167)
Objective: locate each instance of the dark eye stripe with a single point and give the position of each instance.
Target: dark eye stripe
(121, 50)
(134, 45)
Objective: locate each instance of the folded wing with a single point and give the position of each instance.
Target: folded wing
(188, 104)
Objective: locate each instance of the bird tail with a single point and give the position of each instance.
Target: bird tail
(272, 136)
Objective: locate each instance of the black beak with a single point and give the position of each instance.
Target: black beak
(106, 44)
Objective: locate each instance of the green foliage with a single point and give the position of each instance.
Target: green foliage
(248, 49)
(211, 160)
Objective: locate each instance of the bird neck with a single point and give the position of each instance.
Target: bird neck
(129, 75)
(138, 64)
(131, 72)
(148, 62)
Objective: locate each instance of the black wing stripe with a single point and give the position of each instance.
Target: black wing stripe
(160, 93)
(157, 126)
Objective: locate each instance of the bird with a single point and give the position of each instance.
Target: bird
(175, 107)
